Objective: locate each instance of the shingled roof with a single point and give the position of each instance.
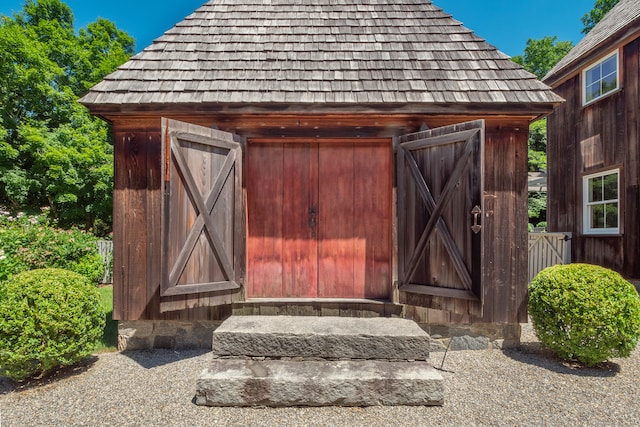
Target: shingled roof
(319, 52)
(620, 23)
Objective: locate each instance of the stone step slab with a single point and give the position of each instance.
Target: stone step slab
(321, 337)
(277, 383)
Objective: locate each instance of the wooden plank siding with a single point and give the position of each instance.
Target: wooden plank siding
(137, 230)
(505, 232)
(137, 205)
(588, 139)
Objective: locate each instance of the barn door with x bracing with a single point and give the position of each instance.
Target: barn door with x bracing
(440, 176)
(203, 227)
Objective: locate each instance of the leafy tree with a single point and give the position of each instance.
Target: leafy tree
(542, 54)
(600, 9)
(538, 146)
(537, 162)
(52, 152)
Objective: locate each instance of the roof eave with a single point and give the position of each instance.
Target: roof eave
(505, 109)
(622, 37)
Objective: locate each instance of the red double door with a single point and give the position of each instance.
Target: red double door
(319, 219)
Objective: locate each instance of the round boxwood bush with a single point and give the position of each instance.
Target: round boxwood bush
(48, 318)
(585, 313)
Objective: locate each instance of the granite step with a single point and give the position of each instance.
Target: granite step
(321, 337)
(276, 383)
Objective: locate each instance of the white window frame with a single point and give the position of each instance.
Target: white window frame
(599, 64)
(586, 205)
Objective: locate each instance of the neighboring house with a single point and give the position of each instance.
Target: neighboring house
(316, 158)
(594, 144)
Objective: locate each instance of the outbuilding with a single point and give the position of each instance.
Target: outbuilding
(593, 144)
(354, 158)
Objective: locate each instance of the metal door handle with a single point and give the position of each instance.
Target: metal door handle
(476, 211)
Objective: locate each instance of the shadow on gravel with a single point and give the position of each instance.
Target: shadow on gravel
(535, 354)
(159, 357)
(8, 386)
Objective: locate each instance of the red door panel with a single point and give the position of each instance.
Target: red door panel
(319, 220)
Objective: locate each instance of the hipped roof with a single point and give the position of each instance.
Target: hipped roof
(319, 54)
(622, 21)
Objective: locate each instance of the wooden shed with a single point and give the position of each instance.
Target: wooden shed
(272, 153)
(594, 144)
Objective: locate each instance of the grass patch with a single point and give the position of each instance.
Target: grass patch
(109, 340)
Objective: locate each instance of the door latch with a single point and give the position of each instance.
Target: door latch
(476, 211)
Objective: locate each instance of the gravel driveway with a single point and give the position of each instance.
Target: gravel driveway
(527, 386)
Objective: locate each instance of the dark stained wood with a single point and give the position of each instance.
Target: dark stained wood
(303, 127)
(505, 225)
(199, 211)
(584, 140)
(137, 227)
(446, 266)
(153, 215)
(130, 249)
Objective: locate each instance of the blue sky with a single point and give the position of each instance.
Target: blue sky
(506, 24)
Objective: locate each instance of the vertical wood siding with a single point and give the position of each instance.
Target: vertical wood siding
(600, 136)
(137, 225)
(505, 240)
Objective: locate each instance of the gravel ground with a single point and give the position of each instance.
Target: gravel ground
(524, 386)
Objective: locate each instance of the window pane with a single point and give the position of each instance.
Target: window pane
(597, 216)
(593, 75)
(611, 187)
(609, 66)
(611, 215)
(595, 189)
(593, 91)
(609, 84)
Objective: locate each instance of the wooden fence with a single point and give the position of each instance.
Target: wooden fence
(105, 247)
(547, 249)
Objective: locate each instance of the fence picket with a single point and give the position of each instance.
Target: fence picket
(548, 249)
(105, 247)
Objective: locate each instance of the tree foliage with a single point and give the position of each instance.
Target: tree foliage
(537, 162)
(541, 55)
(52, 152)
(538, 145)
(600, 9)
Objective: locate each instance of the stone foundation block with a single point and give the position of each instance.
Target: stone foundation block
(322, 337)
(147, 334)
(247, 382)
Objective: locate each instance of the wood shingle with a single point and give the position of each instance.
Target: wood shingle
(318, 52)
(621, 21)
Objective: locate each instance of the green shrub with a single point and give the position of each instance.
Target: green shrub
(33, 242)
(48, 318)
(585, 313)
